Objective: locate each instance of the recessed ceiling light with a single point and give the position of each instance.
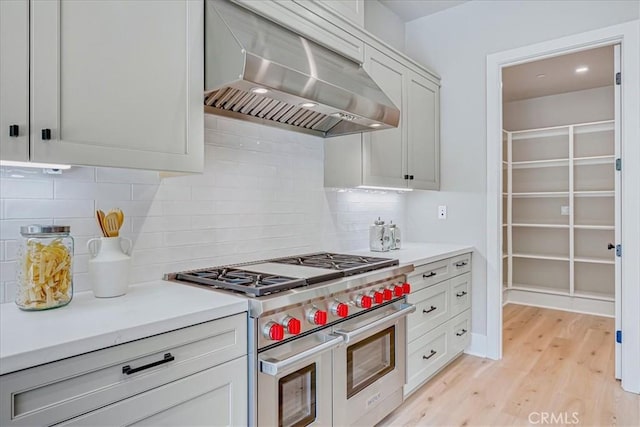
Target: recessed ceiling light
(308, 104)
(259, 90)
(375, 125)
(541, 76)
(582, 69)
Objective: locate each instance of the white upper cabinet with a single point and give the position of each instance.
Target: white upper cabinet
(384, 151)
(14, 80)
(352, 10)
(117, 83)
(423, 132)
(405, 157)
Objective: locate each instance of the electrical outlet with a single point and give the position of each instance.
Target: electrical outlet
(442, 212)
(564, 210)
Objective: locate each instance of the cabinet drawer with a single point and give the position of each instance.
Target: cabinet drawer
(460, 293)
(460, 332)
(426, 355)
(429, 274)
(57, 391)
(432, 309)
(460, 264)
(216, 396)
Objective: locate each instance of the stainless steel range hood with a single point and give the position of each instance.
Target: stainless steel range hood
(257, 70)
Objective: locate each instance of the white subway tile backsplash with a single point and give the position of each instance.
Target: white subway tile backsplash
(260, 196)
(67, 189)
(27, 208)
(20, 189)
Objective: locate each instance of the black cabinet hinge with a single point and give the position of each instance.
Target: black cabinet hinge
(618, 78)
(618, 164)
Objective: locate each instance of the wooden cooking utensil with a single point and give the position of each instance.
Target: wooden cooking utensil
(120, 218)
(100, 219)
(111, 224)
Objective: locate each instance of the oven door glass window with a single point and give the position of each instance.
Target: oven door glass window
(297, 398)
(370, 359)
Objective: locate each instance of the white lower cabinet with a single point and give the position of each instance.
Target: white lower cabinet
(208, 398)
(440, 328)
(191, 376)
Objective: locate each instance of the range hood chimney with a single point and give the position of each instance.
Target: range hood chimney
(259, 71)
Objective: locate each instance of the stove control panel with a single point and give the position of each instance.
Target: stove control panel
(315, 314)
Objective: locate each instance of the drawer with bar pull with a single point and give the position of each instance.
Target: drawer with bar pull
(429, 274)
(432, 309)
(460, 332)
(460, 293)
(54, 392)
(460, 264)
(426, 355)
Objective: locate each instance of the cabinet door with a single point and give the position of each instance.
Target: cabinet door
(215, 397)
(384, 151)
(14, 80)
(352, 10)
(423, 123)
(118, 83)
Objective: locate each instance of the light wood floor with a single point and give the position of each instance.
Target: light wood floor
(554, 361)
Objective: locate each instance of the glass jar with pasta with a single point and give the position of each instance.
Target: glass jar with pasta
(45, 271)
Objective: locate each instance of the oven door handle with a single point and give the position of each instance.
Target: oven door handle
(273, 367)
(349, 336)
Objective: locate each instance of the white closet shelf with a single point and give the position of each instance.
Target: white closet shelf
(541, 256)
(595, 193)
(594, 227)
(540, 289)
(550, 163)
(579, 128)
(594, 160)
(540, 225)
(541, 194)
(594, 260)
(594, 295)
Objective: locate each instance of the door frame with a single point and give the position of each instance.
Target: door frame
(628, 36)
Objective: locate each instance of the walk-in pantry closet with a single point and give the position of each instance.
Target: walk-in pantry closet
(559, 182)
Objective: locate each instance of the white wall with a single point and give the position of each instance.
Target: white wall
(455, 43)
(383, 23)
(261, 195)
(581, 106)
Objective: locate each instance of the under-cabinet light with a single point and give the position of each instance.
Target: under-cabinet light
(33, 165)
(375, 125)
(371, 187)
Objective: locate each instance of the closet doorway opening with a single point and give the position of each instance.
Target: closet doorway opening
(561, 200)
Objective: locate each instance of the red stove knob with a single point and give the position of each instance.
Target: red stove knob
(273, 331)
(377, 297)
(398, 291)
(387, 294)
(340, 309)
(292, 325)
(406, 288)
(364, 301)
(317, 317)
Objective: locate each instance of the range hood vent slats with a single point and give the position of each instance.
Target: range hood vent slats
(244, 51)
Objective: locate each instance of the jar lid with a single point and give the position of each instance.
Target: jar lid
(35, 229)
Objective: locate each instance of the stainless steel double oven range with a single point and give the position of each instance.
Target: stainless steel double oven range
(327, 336)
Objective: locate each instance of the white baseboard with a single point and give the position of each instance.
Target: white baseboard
(477, 346)
(560, 302)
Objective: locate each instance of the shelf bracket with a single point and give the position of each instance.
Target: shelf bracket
(618, 250)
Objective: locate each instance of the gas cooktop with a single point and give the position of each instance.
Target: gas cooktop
(267, 277)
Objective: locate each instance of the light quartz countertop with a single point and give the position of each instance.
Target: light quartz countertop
(29, 339)
(32, 338)
(421, 253)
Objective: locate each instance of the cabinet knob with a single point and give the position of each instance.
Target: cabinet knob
(45, 134)
(410, 177)
(14, 130)
(406, 177)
